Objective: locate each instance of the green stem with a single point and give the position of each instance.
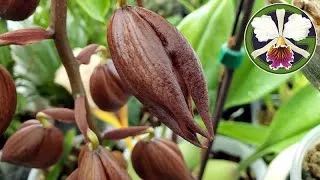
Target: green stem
(122, 3)
(269, 103)
(187, 5)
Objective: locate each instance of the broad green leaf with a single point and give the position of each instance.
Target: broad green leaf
(276, 148)
(207, 29)
(191, 154)
(97, 9)
(245, 132)
(299, 114)
(221, 169)
(293, 119)
(5, 56)
(251, 83)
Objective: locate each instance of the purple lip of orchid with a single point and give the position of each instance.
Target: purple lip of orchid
(281, 56)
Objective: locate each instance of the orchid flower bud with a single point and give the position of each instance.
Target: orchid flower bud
(161, 69)
(8, 99)
(107, 89)
(99, 163)
(34, 145)
(17, 10)
(159, 159)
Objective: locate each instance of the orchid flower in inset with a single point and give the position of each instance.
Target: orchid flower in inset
(280, 50)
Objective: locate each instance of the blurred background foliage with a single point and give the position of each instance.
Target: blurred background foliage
(288, 104)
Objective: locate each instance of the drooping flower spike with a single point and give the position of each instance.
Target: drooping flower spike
(280, 50)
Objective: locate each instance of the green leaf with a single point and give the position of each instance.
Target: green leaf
(245, 132)
(97, 9)
(251, 83)
(294, 118)
(207, 29)
(134, 107)
(299, 114)
(220, 169)
(5, 56)
(191, 154)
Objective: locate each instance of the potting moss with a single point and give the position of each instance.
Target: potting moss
(311, 164)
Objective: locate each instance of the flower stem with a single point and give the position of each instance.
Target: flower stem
(246, 7)
(59, 28)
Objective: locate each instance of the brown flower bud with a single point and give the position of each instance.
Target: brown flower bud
(120, 159)
(60, 114)
(24, 36)
(161, 69)
(73, 175)
(8, 99)
(107, 89)
(85, 55)
(17, 10)
(34, 145)
(122, 133)
(99, 163)
(159, 159)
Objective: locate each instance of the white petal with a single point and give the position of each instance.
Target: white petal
(280, 16)
(297, 27)
(264, 28)
(296, 49)
(264, 49)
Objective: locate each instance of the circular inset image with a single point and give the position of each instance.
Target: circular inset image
(280, 38)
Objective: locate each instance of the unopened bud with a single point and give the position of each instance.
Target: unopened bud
(17, 10)
(34, 146)
(107, 89)
(159, 158)
(8, 99)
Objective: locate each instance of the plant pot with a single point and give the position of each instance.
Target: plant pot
(242, 150)
(306, 144)
(280, 166)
